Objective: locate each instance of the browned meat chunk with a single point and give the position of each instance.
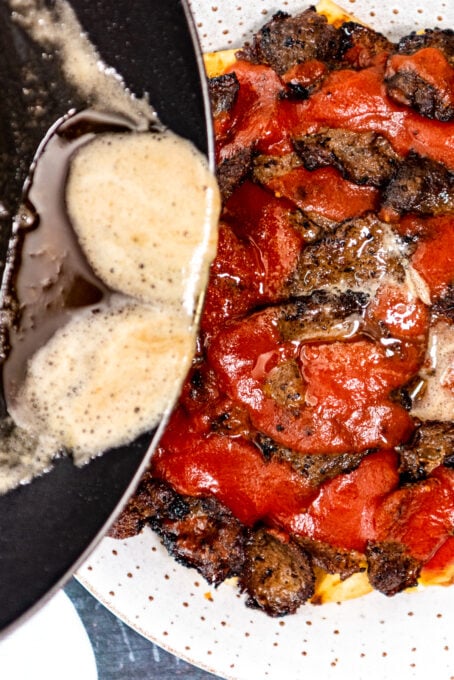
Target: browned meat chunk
(266, 168)
(277, 576)
(152, 499)
(409, 84)
(208, 538)
(363, 157)
(232, 171)
(316, 468)
(311, 229)
(223, 92)
(333, 560)
(390, 568)
(360, 44)
(431, 445)
(424, 81)
(441, 39)
(314, 316)
(421, 185)
(198, 532)
(286, 41)
(285, 385)
(333, 261)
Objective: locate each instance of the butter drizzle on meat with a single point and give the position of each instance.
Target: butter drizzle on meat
(330, 295)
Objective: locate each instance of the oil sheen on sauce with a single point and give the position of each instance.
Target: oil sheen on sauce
(109, 259)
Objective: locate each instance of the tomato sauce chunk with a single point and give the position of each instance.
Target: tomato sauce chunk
(434, 255)
(347, 385)
(343, 514)
(420, 516)
(231, 469)
(253, 119)
(325, 192)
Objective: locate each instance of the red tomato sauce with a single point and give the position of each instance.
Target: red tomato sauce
(325, 192)
(434, 255)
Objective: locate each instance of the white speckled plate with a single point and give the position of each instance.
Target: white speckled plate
(378, 638)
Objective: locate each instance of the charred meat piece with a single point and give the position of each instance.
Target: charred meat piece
(420, 185)
(152, 499)
(265, 168)
(207, 537)
(331, 559)
(310, 230)
(390, 568)
(223, 92)
(303, 79)
(285, 41)
(363, 157)
(316, 468)
(441, 39)
(431, 445)
(424, 81)
(232, 171)
(277, 576)
(198, 532)
(317, 315)
(360, 44)
(285, 386)
(407, 82)
(334, 260)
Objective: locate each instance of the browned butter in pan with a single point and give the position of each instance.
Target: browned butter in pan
(109, 257)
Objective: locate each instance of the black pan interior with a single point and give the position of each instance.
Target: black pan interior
(47, 527)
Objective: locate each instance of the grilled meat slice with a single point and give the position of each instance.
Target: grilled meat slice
(207, 537)
(316, 468)
(223, 92)
(233, 170)
(424, 81)
(152, 499)
(286, 41)
(431, 445)
(277, 576)
(198, 532)
(420, 185)
(265, 168)
(390, 568)
(317, 315)
(362, 157)
(409, 83)
(361, 44)
(407, 87)
(331, 559)
(333, 261)
(441, 39)
(285, 385)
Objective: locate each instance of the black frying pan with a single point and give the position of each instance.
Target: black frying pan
(48, 527)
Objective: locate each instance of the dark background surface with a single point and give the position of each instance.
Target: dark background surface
(121, 653)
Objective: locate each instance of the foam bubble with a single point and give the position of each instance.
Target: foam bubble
(142, 205)
(104, 378)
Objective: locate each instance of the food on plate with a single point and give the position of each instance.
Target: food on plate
(107, 265)
(311, 453)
